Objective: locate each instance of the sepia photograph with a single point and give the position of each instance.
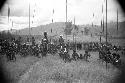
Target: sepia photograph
(62, 41)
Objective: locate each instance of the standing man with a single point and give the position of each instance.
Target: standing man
(33, 41)
(45, 38)
(28, 40)
(61, 40)
(45, 44)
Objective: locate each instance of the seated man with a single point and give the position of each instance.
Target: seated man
(116, 55)
(108, 52)
(81, 56)
(108, 56)
(75, 56)
(115, 48)
(86, 55)
(101, 53)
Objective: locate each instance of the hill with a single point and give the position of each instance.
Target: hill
(84, 32)
(113, 29)
(57, 28)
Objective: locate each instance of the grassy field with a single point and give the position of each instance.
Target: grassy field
(53, 70)
(13, 70)
(120, 42)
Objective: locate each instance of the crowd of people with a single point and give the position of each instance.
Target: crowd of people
(16, 47)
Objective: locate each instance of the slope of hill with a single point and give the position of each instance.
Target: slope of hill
(92, 29)
(57, 28)
(112, 29)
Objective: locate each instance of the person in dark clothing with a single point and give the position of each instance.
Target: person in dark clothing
(33, 41)
(45, 38)
(86, 55)
(45, 44)
(61, 40)
(75, 56)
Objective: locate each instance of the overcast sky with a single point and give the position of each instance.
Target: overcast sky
(42, 10)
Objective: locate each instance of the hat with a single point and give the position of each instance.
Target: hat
(60, 35)
(45, 33)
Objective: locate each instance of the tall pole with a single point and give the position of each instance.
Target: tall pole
(53, 16)
(8, 15)
(12, 26)
(101, 32)
(102, 25)
(106, 31)
(66, 11)
(66, 20)
(106, 22)
(102, 21)
(117, 21)
(29, 21)
(8, 12)
(75, 33)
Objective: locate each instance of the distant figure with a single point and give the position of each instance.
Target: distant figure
(86, 55)
(91, 34)
(75, 56)
(116, 55)
(33, 41)
(80, 56)
(28, 39)
(61, 40)
(65, 48)
(45, 39)
(45, 44)
(68, 44)
(115, 48)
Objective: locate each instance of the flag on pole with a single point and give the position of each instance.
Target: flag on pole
(8, 13)
(66, 10)
(52, 20)
(53, 11)
(53, 14)
(93, 14)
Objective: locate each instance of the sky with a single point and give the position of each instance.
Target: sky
(41, 12)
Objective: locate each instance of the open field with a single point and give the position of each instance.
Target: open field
(13, 70)
(52, 69)
(120, 42)
(84, 72)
